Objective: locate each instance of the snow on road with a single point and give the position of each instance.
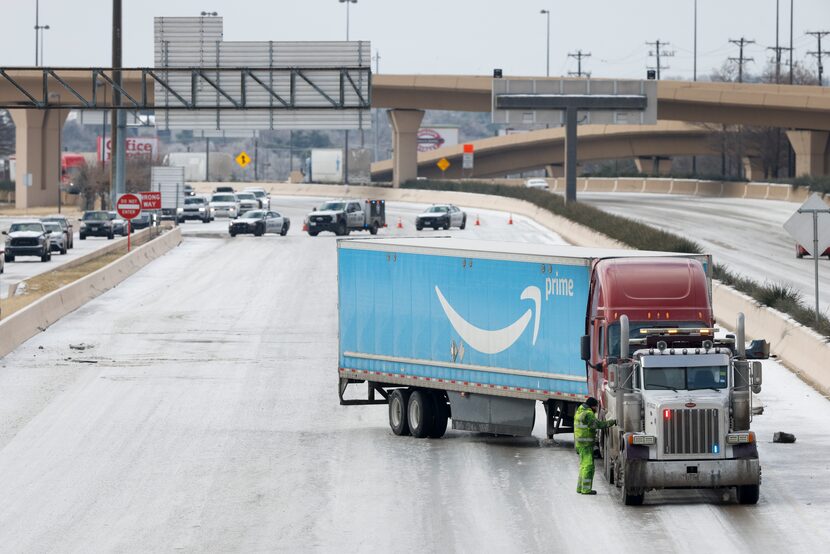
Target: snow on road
(205, 418)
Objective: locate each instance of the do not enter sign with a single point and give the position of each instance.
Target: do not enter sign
(128, 206)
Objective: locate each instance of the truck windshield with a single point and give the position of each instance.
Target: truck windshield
(223, 198)
(333, 206)
(685, 378)
(634, 331)
(194, 200)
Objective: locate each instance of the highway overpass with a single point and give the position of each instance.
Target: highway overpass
(803, 110)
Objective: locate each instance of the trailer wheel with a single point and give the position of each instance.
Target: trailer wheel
(442, 414)
(748, 494)
(398, 400)
(420, 413)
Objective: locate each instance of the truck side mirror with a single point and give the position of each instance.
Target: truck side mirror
(585, 347)
(758, 350)
(756, 377)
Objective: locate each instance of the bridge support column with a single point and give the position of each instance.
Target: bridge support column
(754, 168)
(555, 171)
(38, 153)
(654, 165)
(812, 155)
(405, 124)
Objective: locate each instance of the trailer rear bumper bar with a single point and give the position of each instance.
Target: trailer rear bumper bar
(697, 474)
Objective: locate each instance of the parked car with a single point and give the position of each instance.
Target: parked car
(96, 224)
(67, 226)
(196, 207)
(56, 235)
(224, 204)
(537, 183)
(143, 221)
(259, 222)
(261, 195)
(119, 225)
(224, 188)
(800, 252)
(441, 215)
(27, 238)
(247, 201)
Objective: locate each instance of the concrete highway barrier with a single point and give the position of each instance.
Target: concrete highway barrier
(798, 347)
(36, 317)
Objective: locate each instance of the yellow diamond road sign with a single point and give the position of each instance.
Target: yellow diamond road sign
(443, 164)
(243, 159)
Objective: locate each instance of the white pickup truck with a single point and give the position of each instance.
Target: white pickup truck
(344, 216)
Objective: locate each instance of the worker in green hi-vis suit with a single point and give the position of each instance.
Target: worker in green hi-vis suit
(585, 432)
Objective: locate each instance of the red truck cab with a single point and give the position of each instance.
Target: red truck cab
(652, 292)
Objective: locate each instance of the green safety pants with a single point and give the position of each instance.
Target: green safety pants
(586, 469)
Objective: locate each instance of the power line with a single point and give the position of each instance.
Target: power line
(741, 43)
(657, 53)
(578, 56)
(818, 53)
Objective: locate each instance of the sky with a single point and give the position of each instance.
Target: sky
(468, 37)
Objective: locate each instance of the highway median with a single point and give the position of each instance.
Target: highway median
(51, 295)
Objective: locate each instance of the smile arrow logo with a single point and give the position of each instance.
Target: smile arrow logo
(493, 342)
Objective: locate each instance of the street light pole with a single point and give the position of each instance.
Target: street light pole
(547, 51)
(346, 146)
(695, 56)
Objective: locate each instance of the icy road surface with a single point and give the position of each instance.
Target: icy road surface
(204, 417)
(746, 235)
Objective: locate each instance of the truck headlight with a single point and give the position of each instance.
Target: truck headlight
(201, 210)
(747, 437)
(179, 210)
(642, 440)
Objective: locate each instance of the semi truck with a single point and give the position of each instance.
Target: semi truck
(478, 332)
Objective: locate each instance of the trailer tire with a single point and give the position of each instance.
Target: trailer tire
(748, 494)
(398, 402)
(420, 413)
(441, 414)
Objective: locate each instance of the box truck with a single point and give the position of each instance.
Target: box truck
(479, 331)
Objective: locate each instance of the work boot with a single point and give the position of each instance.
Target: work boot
(590, 492)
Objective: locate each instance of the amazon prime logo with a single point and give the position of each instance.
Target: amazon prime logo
(498, 340)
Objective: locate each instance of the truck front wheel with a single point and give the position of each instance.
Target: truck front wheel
(398, 400)
(627, 497)
(748, 494)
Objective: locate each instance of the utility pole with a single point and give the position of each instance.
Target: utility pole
(377, 131)
(791, 45)
(578, 56)
(741, 60)
(777, 50)
(546, 13)
(659, 54)
(119, 120)
(818, 54)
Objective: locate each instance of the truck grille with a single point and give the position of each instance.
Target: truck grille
(24, 241)
(321, 219)
(691, 431)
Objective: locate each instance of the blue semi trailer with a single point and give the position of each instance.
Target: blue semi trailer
(476, 330)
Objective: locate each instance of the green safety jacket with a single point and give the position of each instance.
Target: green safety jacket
(586, 425)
